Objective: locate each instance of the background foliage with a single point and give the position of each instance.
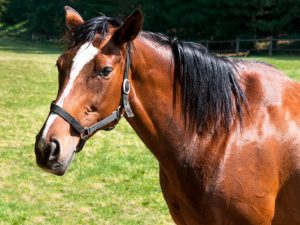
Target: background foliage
(196, 19)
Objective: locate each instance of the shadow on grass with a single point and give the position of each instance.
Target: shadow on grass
(29, 46)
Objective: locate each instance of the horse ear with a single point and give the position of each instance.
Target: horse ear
(130, 28)
(73, 18)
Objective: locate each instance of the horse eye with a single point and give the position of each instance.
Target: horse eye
(105, 72)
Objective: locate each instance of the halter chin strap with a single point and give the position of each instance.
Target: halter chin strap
(86, 132)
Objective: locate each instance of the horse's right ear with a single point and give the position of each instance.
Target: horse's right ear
(73, 18)
(130, 28)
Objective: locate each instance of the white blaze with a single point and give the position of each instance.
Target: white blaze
(84, 55)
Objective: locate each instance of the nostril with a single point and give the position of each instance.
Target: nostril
(54, 150)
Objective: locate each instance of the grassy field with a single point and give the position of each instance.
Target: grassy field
(114, 180)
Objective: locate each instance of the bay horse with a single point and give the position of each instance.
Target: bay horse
(224, 131)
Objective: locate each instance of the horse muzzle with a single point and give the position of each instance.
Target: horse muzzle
(48, 156)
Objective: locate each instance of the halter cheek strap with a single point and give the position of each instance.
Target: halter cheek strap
(86, 132)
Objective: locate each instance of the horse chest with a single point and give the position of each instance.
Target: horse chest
(194, 199)
(188, 200)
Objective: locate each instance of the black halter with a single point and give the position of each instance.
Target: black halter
(86, 132)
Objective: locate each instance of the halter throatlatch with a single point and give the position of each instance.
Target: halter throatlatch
(86, 132)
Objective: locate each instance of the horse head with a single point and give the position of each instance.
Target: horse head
(93, 86)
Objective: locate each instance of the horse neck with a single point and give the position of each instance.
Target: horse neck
(151, 94)
(157, 123)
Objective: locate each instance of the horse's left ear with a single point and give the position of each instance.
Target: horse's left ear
(130, 28)
(73, 18)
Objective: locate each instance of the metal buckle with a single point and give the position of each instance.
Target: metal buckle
(85, 134)
(120, 112)
(126, 86)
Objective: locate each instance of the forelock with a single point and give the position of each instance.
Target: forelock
(88, 30)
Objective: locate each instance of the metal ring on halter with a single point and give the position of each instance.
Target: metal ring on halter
(120, 112)
(126, 86)
(85, 134)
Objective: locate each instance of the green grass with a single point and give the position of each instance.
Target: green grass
(289, 64)
(114, 180)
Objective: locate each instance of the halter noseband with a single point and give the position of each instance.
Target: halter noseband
(86, 132)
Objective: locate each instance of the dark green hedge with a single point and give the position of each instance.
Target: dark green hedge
(193, 20)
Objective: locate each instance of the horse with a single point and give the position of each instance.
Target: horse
(225, 131)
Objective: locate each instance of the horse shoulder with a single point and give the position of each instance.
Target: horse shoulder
(259, 160)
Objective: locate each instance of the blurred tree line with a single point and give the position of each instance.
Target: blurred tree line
(194, 19)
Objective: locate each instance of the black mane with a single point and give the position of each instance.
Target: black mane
(210, 92)
(209, 89)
